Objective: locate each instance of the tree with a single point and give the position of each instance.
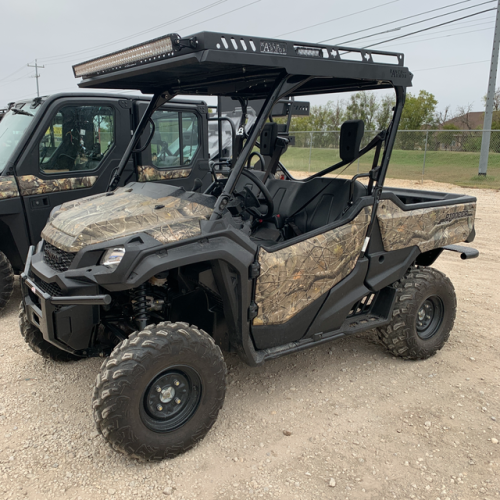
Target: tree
(363, 106)
(443, 116)
(463, 116)
(419, 111)
(323, 120)
(446, 140)
(496, 99)
(384, 112)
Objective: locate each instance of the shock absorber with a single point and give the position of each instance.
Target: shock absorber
(139, 305)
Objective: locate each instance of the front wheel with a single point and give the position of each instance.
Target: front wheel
(423, 316)
(160, 391)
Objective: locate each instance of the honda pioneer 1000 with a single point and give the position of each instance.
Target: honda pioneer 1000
(161, 279)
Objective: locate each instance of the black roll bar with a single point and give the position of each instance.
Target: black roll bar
(282, 87)
(158, 100)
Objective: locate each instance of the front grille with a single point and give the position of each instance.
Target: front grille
(56, 258)
(52, 289)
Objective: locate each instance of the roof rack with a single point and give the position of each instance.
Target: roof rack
(208, 62)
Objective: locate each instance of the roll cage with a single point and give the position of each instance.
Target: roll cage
(244, 68)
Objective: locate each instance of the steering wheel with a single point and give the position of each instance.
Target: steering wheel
(268, 199)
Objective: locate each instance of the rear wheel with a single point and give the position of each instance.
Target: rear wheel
(160, 391)
(34, 338)
(423, 316)
(6, 281)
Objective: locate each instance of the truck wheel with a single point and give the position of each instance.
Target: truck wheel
(34, 338)
(423, 316)
(160, 391)
(6, 281)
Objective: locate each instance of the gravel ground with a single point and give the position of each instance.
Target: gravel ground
(342, 420)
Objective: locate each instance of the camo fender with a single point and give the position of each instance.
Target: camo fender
(427, 228)
(8, 187)
(293, 277)
(150, 174)
(31, 184)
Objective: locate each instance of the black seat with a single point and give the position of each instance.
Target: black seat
(328, 206)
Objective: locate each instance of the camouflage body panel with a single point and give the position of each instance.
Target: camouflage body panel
(293, 277)
(8, 187)
(31, 184)
(149, 174)
(102, 218)
(428, 228)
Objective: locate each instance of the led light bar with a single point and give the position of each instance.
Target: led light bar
(138, 54)
(308, 51)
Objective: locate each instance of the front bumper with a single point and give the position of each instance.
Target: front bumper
(68, 319)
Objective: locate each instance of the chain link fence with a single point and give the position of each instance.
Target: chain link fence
(439, 155)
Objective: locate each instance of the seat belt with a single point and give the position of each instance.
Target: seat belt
(273, 162)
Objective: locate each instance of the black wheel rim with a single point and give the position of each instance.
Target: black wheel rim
(429, 317)
(171, 399)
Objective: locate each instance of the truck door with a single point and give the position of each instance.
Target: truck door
(178, 151)
(73, 154)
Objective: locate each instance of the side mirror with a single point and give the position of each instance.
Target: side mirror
(351, 133)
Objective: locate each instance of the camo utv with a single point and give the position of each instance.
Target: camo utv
(161, 279)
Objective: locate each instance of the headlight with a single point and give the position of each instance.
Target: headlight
(113, 256)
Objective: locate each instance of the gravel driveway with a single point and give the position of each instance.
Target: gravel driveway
(343, 420)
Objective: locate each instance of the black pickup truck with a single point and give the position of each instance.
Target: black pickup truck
(63, 147)
(58, 148)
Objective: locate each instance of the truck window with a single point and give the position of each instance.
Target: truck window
(12, 128)
(170, 148)
(77, 138)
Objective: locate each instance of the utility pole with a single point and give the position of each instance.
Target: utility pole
(36, 75)
(488, 114)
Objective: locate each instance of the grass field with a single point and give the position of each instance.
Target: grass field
(440, 166)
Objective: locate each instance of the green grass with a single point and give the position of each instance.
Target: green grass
(440, 166)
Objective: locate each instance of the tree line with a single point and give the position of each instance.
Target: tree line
(419, 114)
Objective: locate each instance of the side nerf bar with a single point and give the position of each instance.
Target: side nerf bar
(465, 252)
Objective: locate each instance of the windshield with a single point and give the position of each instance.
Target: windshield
(12, 128)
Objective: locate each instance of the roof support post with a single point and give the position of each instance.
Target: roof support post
(281, 89)
(389, 143)
(158, 100)
(391, 136)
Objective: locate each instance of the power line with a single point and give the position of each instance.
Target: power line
(225, 14)
(196, 24)
(15, 80)
(447, 31)
(12, 74)
(429, 28)
(180, 18)
(453, 65)
(417, 22)
(396, 21)
(339, 18)
(446, 36)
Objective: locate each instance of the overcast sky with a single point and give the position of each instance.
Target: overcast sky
(452, 61)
